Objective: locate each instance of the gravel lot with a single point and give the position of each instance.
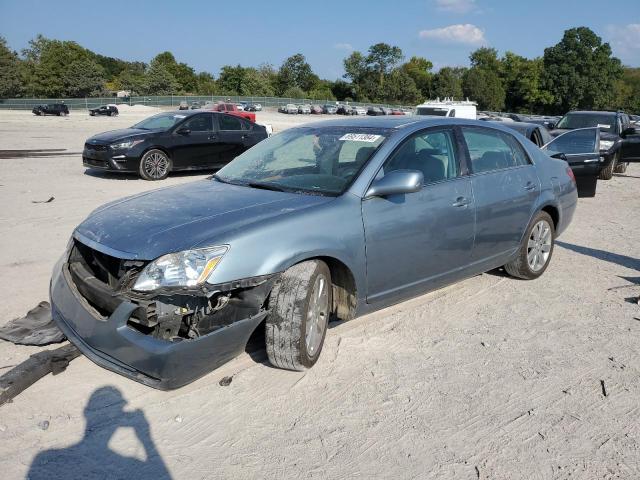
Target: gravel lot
(489, 378)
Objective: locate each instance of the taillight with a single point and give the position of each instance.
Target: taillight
(571, 175)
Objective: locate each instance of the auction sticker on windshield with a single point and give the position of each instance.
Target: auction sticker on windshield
(359, 137)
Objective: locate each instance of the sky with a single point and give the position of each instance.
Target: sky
(209, 34)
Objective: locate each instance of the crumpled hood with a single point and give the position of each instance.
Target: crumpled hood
(172, 219)
(113, 135)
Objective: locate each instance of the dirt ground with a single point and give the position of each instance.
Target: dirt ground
(491, 378)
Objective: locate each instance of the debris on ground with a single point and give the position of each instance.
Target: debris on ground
(225, 381)
(35, 328)
(44, 425)
(604, 389)
(24, 375)
(51, 199)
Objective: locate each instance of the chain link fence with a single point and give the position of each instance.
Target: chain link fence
(170, 101)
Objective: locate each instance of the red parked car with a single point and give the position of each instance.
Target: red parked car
(232, 109)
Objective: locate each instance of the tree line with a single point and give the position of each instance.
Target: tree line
(579, 72)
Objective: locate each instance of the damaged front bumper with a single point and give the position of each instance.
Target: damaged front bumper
(113, 340)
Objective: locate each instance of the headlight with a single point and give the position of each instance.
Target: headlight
(126, 145)
(182, 269)
(606, 144)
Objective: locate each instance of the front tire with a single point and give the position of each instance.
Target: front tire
(536, 249)
(154, 165)
(300, 305)
(607, 172)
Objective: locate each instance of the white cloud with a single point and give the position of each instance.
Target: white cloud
(343, 46)
(461, 33)
(456, 6)
(625, 42)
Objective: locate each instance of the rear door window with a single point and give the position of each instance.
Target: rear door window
(229, 122)
(491, 150)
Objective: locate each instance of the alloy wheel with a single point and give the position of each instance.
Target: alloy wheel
(156, 165)
(539, 246)
(317, 315)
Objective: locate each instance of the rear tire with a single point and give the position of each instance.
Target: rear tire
(300, 305)
(621, 167)
(154, 165)
(607, 172)
(536, 249)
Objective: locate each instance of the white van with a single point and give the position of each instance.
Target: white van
(448, 108)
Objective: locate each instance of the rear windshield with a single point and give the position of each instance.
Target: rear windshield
(439, 112)
(604, 121)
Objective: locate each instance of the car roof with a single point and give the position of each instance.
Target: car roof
(396, 122)
(594, 111)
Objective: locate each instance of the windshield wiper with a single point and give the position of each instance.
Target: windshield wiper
(265, 186)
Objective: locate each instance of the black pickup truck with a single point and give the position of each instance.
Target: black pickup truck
(619, 138)
(51, 109)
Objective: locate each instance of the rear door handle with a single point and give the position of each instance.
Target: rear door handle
(213, 137)
(530, 186)
(460, 202)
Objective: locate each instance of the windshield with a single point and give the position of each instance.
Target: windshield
(440, 112)
(604, 121)
(321, 160)
(161, 121)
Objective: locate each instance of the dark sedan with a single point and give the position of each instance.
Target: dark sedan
(330, 220)
(108, 110)
(167, 142)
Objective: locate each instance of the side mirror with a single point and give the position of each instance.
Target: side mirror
(559, 156)
(396, 182)
(183, 131)
(629, 131)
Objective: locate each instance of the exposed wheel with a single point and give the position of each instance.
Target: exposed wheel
(300, 304)
(155, 165)
(607, 172)
(621, 167)
(536, 249)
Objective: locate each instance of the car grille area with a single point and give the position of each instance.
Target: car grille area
(96, 147)
(100, 278)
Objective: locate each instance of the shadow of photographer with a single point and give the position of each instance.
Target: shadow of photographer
(91, 457)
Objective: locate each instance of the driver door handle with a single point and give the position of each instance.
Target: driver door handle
(530, 186)
(213, 137)
(460, 202)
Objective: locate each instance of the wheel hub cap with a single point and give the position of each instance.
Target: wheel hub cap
(539, 246)
(155, 165)
(317, 315)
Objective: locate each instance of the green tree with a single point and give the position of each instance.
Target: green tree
(183, 73)
(159, 81)
(206, 84)
(448, 82)
(580, 71)
(83, 78)
(399, 87)
(485, 87)
(10, 68)
(383, 58)
(294, 92)
(522, 79)
(295, 72)
(419, 69)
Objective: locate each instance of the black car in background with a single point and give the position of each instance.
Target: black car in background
(619, 139)
(375, 111)
(173, 141)
(59, 109)
(109, 110)
(578, 153)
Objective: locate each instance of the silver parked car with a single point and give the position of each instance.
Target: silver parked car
(304, 109)
(322, 222)
(291, 108)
